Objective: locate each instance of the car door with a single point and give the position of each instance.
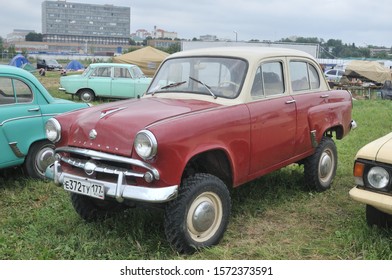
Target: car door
(100, 81)
(305, 81)
(273, 118)
(20, 120)
(123, 84)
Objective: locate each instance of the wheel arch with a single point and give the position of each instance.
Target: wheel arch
(337, 130)
(215, 162)
(85, 88)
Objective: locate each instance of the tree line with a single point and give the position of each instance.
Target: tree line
(332, 48)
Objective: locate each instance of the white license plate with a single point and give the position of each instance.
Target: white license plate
(84, 187)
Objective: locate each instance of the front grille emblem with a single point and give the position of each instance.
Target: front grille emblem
(89, 167)
(93, 134)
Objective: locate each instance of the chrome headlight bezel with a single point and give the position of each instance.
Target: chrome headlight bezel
(53, 130)
(378, 178)
(145, 144)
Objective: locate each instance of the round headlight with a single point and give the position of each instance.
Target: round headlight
(53, 130)
(378, 177)
(145, 144)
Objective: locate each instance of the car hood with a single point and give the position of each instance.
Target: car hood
(115, 124)
(379, 150)
(70, 77)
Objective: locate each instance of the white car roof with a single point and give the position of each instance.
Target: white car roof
(249, 53)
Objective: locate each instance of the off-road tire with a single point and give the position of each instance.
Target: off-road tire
(40, 156)
(92, 209)
(320, 168)
(199, 216)
(375, 217)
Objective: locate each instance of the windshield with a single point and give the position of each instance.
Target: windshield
(52, 62)
(86, 71)
(215, 76)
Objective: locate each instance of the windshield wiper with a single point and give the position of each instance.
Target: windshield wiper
(172, 85)
(206, 86)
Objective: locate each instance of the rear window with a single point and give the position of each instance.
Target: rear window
(304, 76)
(14, 91)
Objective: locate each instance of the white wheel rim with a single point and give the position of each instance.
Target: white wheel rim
(204, 216)
(326, 166)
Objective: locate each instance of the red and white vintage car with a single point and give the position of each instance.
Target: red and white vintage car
(211, 120)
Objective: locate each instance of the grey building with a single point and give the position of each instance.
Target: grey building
(69, 22)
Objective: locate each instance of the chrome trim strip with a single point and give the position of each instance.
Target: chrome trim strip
(15, 149)
(100, 167)
(28, 117)
(313, 138)
(104, 156)
(118, 190)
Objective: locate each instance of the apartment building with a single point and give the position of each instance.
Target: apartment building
(70, 22)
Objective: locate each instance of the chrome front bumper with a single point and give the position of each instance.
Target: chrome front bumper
(119, 190)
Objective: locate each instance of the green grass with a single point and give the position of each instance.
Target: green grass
(274, 217)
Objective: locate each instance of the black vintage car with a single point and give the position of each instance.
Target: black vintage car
(48, 64)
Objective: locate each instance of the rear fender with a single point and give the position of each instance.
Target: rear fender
(328, 118)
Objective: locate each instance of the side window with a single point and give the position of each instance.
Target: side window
(121, 72)
(136, 72)
(102, 72)
(6, 91)
(314, 77)
(299, 75)
(257, 87)
(268, 80)
(14, 91)
(272, 78)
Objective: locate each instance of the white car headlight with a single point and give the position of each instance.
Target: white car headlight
(378, 177)
(145, 144)
(53, 130)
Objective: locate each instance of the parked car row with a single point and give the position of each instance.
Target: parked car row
(210, 120)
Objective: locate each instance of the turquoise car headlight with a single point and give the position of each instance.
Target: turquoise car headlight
(145, 144)
(53, 130)
(378, 177)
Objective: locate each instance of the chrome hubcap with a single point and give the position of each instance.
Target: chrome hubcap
(44, 159)
(326, 165)
(86, 96)
(204, 216)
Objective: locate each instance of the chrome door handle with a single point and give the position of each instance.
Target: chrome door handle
(324, 96)
(290, 101)
(33, 109)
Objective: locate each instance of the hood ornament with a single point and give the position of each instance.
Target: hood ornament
(92, 134)
(104, 113)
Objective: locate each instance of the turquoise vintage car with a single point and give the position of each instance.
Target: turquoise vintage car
(110, 80)
(25, 106)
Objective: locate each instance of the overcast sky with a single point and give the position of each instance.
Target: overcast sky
(363, 22)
